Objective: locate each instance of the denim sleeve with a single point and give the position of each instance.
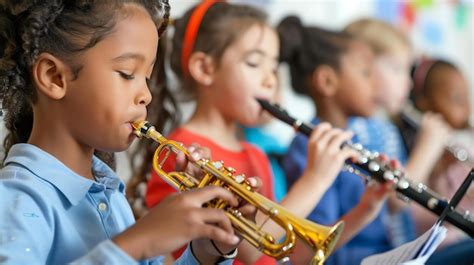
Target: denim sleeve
(294, 161)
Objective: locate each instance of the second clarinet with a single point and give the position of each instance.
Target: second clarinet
(380, 171)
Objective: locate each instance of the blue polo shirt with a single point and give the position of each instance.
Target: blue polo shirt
(379, 135)
(338, 200)
(51, 215)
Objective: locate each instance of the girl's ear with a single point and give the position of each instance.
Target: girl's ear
(50, 75)
(325, 80)
(202, 68)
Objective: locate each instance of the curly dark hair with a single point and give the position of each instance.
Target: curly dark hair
(63, 28)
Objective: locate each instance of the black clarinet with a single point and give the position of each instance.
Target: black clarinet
(375, 168)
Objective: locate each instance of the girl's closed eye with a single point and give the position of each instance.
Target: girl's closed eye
(252, 63)
(254, 59)
(126, 76)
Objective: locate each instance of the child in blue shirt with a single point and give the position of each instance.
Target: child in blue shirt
(73, 77)
(335, 70)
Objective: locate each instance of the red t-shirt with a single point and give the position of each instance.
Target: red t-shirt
(250, 161)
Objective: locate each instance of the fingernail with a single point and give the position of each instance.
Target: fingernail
(235, 239)
(252, 181)
(191, 148)
(195, 156)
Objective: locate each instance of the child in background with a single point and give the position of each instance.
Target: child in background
(392, 62)
(440, 87)
(227, 56)
(392, 79)
(73, 77)
(335, 70)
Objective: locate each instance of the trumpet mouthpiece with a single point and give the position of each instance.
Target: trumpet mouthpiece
(141, 127)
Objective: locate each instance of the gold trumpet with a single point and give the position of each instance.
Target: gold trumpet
(322, 239)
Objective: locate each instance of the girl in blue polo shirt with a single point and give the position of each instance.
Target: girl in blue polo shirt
(73, 77)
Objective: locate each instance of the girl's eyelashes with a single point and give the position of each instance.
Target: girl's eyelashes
(126, 76)
(251, 64)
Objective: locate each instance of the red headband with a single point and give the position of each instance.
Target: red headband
(191, 31)
(419, 76)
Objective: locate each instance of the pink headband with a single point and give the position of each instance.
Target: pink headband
(420, 74)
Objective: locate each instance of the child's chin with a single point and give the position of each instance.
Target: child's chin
(367, 113)
(252, 123)
(120, 147)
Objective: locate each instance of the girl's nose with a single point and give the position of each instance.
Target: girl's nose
(270, 81)
(144, 96)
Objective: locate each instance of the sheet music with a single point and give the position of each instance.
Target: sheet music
(415, 252)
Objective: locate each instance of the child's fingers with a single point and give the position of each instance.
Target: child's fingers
(248, 210)
(218, 234)
(383, 157)
(394, 163)
(348, 153)
(215, 217)
(381, 190)
(198, 152)
(338, 139)
(217, 225)
(324, 139)
(255, 183)
(181, 161)
(319, 131)
(209, 193)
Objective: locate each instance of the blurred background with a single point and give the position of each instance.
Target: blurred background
(437, 28)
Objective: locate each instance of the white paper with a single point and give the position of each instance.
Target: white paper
(415, 252)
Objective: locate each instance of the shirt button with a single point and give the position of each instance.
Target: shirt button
(102, 206)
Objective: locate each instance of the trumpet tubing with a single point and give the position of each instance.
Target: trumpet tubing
(322, 239)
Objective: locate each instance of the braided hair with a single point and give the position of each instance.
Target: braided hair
(63, 28)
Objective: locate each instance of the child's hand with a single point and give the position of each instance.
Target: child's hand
(434, 132)
(376, 193)
(375, 196)
(196, 153)
(218, 247)
(325, 156)
(176, 221)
